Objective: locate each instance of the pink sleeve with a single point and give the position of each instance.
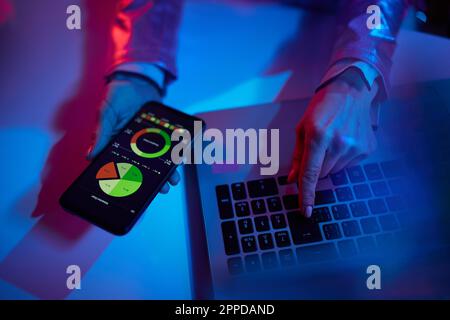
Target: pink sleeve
(146, 31)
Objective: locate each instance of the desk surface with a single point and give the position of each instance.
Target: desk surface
(248, 61)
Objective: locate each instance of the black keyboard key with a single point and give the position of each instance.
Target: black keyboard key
(347, 248)
(379, 188)
(282, 239)
(332, 231)
(321, 214)
(344, 194)
(362, 191)
(397, 186)
(339, 178)
(262, 223)
(269, 260)
(230, 238)
(258, 206)
(287, 257)
(366, 245)
(359, 209)
(252, 263)
(356, 174)
(324, 197)
(395, 203)
(377, 206)
(245, 226)
(224, 202)
(242, 209)
(278, 221)
(248, 243)
(340, 212)
(274, 204)
(351, 228)
(282, 180)
(373, 171)
(265, 241)
(303, 230)
(290, 201)
(369, 225)
(392, 169)
(388, 222)
(235, 266)
(317, 253)
(262, 188)
(238, 191)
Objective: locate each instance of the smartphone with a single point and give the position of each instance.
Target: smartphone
(121, 182)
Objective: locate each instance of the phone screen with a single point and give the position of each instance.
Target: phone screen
(120, 183)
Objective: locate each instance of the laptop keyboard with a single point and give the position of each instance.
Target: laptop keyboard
(262, 228)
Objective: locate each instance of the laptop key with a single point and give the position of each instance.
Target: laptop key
(303, 230)
(356, 174)
(230, 238)
(278, 221)
(235, 266)
(359, 209)
(388, 222)
(340, 211)
(332, 231)
(395, 203)
(258, 206)
(262, 188)
(245, 226)
(373, 171)
(321, 214)
(265, 241)
(347, 248)
(282, 239)
(224, 202)
(238, 191)
(262, 223)
(377, 206)
(379, 188)
(248, 243)
(287, 257)
(344, 194)
(362, 191)
(274, 204)
(351, 228)
(252, 263)
(366, 245)
(269, 260)
(290, 201)
(324, 197)
(339, 178)
(397, 186)
(242, 209)
(369, 225)
(317, 253)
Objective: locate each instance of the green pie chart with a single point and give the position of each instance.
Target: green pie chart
(119, 179)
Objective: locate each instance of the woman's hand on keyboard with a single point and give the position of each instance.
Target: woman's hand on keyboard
(335, 132)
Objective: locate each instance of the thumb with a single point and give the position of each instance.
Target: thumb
(105, 130)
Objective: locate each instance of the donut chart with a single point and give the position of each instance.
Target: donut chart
(141, 140)
(119, 179)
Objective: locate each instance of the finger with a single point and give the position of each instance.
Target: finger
(297, 158)
(313, 156)
(331, 158)
(106, 129)
(350, 159)
(174, 178)
(165, 188)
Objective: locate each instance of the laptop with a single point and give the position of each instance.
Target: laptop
(249, 240)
